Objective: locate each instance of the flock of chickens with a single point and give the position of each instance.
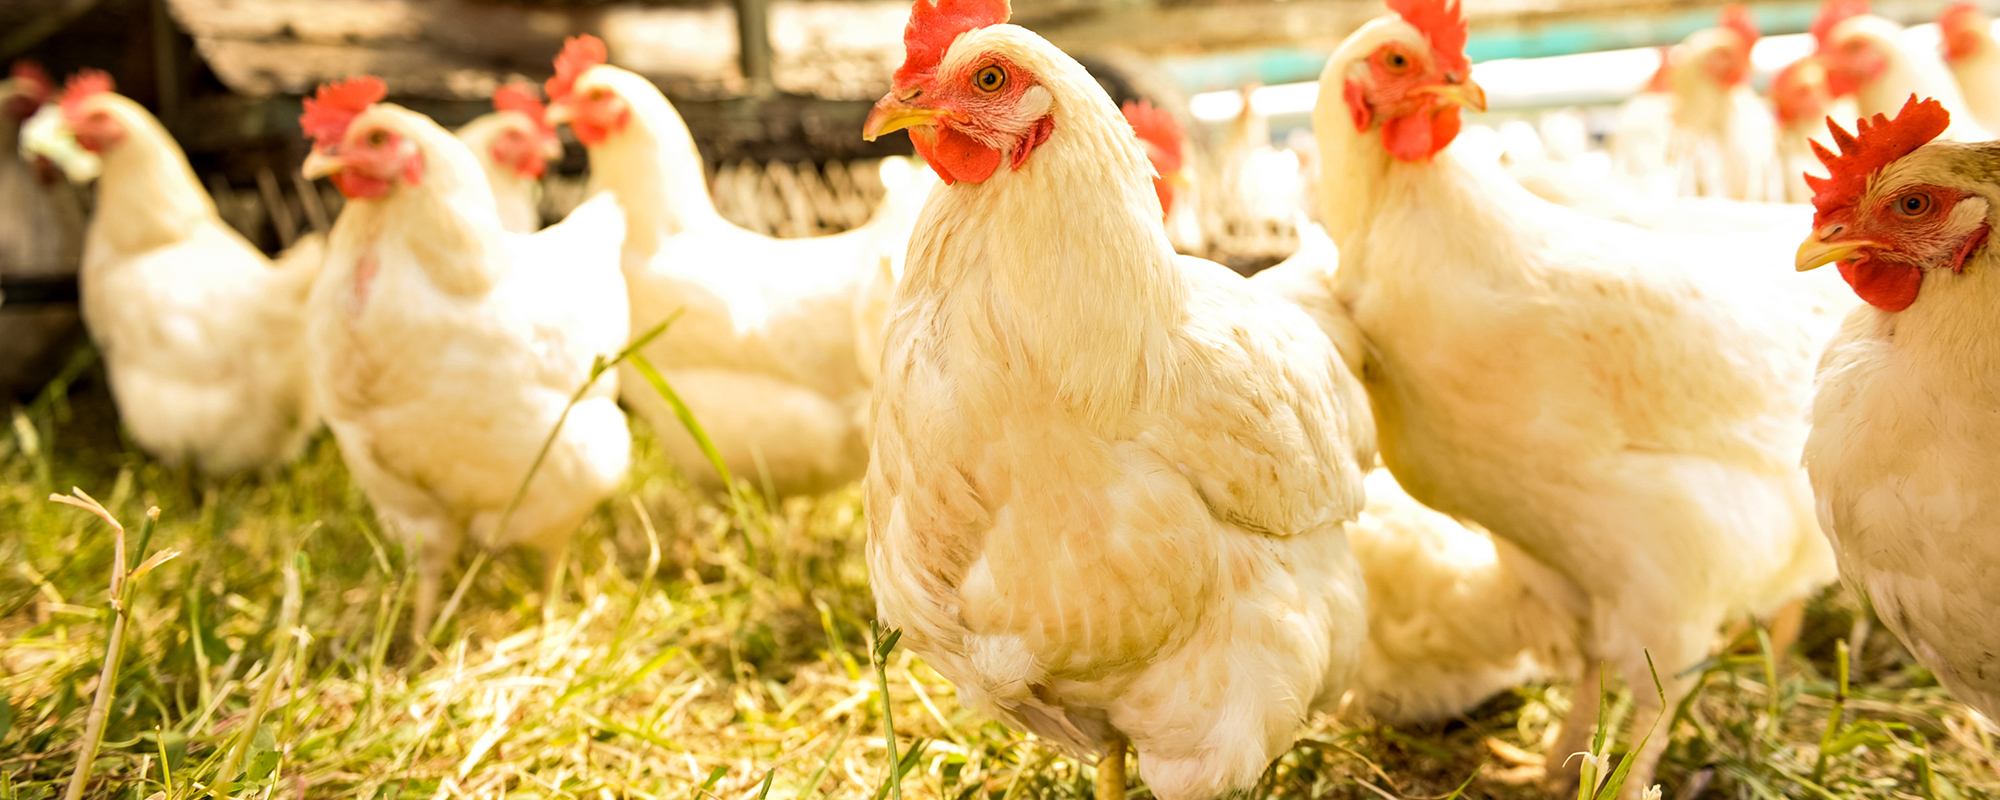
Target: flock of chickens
(1121, 496)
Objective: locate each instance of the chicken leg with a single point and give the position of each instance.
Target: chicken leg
(1564, 768)
(1111, 769)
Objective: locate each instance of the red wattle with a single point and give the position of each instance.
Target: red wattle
(1890, 287)
(1417, 137)
(356, 186)
(1357, 105)
(957, 157)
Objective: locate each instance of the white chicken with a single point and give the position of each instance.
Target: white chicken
(1623, 405)
(1724, 142)
(1454, 615)
(200, 333)
(514, 145)
(763, 352)
(1109, 483)
(445, 349)
(1974, 58)
(1906, 427)
(1867, 56)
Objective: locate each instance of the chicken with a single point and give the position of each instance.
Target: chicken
(199, 331)
(1109, 483)
(1623, 405)
(763, 352)
(445, 349)
(1724, 142)
(514, 145)
(1803, 102)
(1866, 56)
(1974, 58)
(41, 235)
(1454, 615)
(1904, 443)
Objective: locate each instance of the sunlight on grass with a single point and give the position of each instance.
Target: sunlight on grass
(700, 647)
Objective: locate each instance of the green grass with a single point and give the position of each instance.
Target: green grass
(695, 650)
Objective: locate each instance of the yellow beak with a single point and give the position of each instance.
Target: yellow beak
(1814, 253)
(891, 113)
(558, 114)
(319, 165)
(1467, 94)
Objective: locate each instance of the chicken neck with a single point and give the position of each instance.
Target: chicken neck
(448, 221)
(1949, 330)
(147, 195)
(654, 168)
(1062, 265)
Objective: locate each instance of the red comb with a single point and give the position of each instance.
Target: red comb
(1832, 13)
(34, 81)
(1738, 19)
(1961, 22)
(933, 27)
(1158, 128)
(85, 84)
(1442, 22)
(578, 55)
(337, 104)
(521, 97)
(1874, 144)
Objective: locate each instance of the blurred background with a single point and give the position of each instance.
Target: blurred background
(775, 91)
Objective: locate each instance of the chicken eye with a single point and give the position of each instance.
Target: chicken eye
(377, 138)
(990, 79)
(1397, 62)
(1913, 205)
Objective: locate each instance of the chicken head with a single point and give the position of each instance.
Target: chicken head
(1887, 218)
(27, 87)
(526, 142)
(1800, 93)
(1964, 29)
(1414, 80)
(1850, 60)
(584, 99)
(91, 111)
(364, 156)
(967, 108)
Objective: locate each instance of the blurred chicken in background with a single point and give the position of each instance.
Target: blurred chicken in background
(1967, 38)
(1724, 142)
(41, 238)
(1868, 57)
(445, 349)
(763, 349)
(1803, 101)
(514, 145)
(201, 334)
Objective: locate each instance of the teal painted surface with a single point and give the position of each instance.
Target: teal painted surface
(1291, 65)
